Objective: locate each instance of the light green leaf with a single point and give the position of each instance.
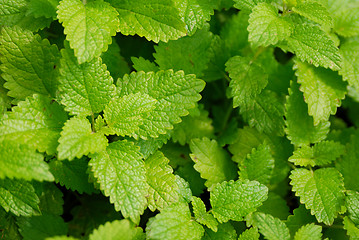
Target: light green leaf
(301, 216)
(174, 223)
(84, 89)
(28, 63)
(270, 227)
(300, 127)
(212, 161)
(352, 204)
(352, 229)
(322, 191)
(43, 8)
(247, 5)
(36, 122)
(266, 27)
(225, 232)
(250, 234)
(162, 183)
(320, 154)
(118, 230)
(235, 200)
(346, 21)
(141, 64)
(350, 65)
(121, 173)
(153, 19)
(184, 189)
(77, 139)
(18, 197)
(21, 161)
(309, 232)
(88, 27)
(248, 79)
(202, 216)
(311, 44)
(323, 90)
(175, 93)
(314, 11)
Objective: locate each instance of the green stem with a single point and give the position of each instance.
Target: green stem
(259, 51)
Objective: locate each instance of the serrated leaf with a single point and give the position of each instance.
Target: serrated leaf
(314, 11)
(248, 79)
(202, 216)
(352, 204)
(247, 5)
(121, 173)
(225, 232)
(18, 197)
(118, 230)
(311, 44)
(89, 27)
(300, 127)
(235, 200)
(36, 122)
(9, 229)
(175, 93)
(309, 232)
(266, 27)
(346, 21)
(21, 161)
(28, 63)
(322, 191)
(85, 88)
(153, 19)
(124, 115)
(270, 227)
(350, 65)
(43, 8)
(72, 174)
(141, 64)
(173, 223)
(320, 154)
(77, 139)
(301, 216)
(352, 229)
(249, 234)
(162, 183)
(323, 90)
(211, 161)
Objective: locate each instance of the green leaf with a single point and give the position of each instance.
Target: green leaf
(266, 27)
(313, 45)
(301, 216)
(211, 161)
(72, 174)
(124, 115)
(43, 8)
(118, 230)
(314, 11)
(248, 79)
(163, 187)
(249, 234)
(156, 21)
(352, 204)
(21, 161)
(84, 89)
(51, 197)
(276, 206)
(175, 93)
(235, 200)
(300, 127)
(258, 165)
(141, 64)
(61, 238)
(173, 223)
(36, 122)
(323, 90)
(77, 139)
(320, 154)
(88, 27)
(202, 216)
(350, 65)
(247, 5)
(322, 191)
(121, 173)
(18, 197)
(270, 227)
(225, 232)
(352, 229)
(9, 229)
(346, 21)
(309, 232)
(28, 63)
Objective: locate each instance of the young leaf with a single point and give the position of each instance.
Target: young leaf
(321, 191)
(162, 183)
(211, 161)
(85, 88)
(118, 230)
(157, 21)
(141, 64)
(350, 66)
(314, 11)
(323, 90)
(250, 234)
(300, 127)
(352, 204)
(77, 139)
(18, 197)
(121, 173)
(202, 216)
(28, 63)
(225, 232)
(266, 27)
(235, 200)
(352, 229)
(313, 45)
(270, 227)
(21, 161)
(173, 223)
(175, 93)
(309, 232)
(89, 27)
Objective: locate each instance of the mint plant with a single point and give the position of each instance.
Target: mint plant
(194, 119)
